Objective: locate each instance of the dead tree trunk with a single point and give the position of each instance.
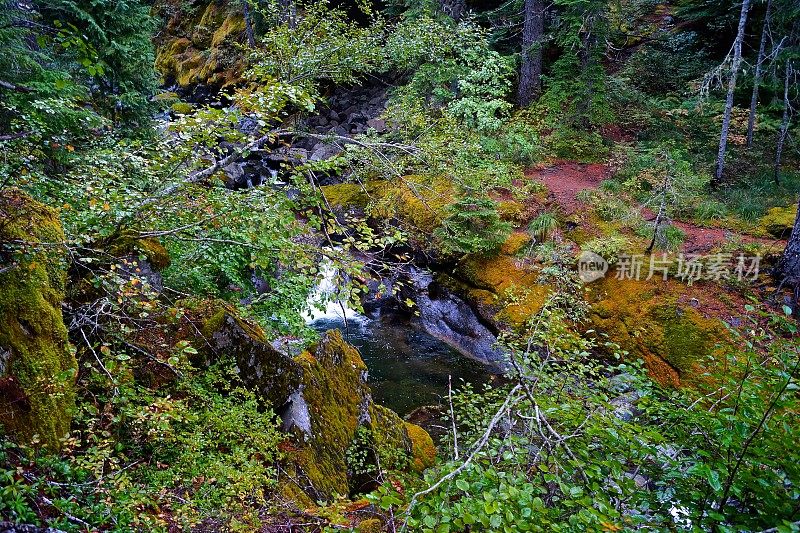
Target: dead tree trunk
(784, 121)
(530, 72)
(726, 121)
(751, 121)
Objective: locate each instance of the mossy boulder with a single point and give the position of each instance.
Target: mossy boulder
(651, 321)
(334, 402)
(779, 221)
(518, 295)
(37, 364)
(418, 202)
(198, 44)
(217, 330)
(346, 196)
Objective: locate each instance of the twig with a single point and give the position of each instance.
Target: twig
(512, 398)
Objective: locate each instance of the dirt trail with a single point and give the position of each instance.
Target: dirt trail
(565, 179)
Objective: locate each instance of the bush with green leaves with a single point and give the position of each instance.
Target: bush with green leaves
(575, 444)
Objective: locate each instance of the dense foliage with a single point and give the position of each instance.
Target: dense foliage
(578, 437)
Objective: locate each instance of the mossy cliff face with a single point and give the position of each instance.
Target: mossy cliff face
(506, 282)
(37, 366)
(334, 401)
(198, 43)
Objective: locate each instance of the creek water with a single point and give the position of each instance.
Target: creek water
(408, 368)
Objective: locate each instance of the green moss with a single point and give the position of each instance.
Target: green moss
(370, 525)
(231, 30)
(418, 202)
(423, 452)
(181, 108)
(339, 402)
(779, 221)
(511, 211)
(646, 320)
(37, 366)
(345, 195)
(199, 46)
(688, 338)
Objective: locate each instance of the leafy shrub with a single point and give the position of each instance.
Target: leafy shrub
(576, 145)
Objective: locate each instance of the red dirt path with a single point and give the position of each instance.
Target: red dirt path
(565, 179)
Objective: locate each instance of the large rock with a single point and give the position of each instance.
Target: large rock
(322, 398)
(197, 48)
(37, 366)
(338, 420)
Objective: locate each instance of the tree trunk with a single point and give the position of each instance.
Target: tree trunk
(530, 73)
(248, 24)
(784, 122)
(790, 262)
(751, 122)
(288, 12)
(584, 105)
(453, 8)
(726, 121)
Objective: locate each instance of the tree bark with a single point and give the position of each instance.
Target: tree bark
(751, 121)
(790, 262)
(726, 121)
(530, 72)
(784, 122)
(248, 24)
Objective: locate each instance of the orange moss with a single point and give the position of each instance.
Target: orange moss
(646, 319)
(515, 242)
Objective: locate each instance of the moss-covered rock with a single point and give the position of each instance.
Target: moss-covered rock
(779, 221)
(517, 294)
(370, 525)
(418, 202)
(337, 401)
(423, 452)
(37, 365)
(198, 45)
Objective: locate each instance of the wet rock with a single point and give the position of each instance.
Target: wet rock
(447, 317)
(325, 419)
(377, 124)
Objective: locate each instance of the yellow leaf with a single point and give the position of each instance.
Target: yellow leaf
(106, 207)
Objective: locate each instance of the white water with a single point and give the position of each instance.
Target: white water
(324, 302)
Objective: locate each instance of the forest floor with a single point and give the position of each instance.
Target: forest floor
(566, 179)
